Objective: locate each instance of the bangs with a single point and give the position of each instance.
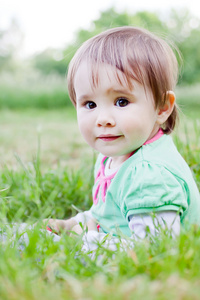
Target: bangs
(112, 52)
(134, 54)
(120, 50)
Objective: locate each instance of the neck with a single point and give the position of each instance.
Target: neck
(119, 160)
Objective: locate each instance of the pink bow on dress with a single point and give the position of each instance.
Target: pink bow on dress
(103, 182)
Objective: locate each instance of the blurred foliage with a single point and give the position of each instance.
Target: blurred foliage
(179, 27)
(49, 61)
(185, 30)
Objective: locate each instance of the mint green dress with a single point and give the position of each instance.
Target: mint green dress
(155, 178)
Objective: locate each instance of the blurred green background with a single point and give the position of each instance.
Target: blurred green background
(39, 81)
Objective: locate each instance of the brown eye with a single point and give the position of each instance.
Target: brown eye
(90, 105)
(122, 102)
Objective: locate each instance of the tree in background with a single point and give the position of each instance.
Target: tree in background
(50, 61)
(185, 30)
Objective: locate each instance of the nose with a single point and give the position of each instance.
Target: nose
(105, 119)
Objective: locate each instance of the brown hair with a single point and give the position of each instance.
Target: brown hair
(139, 55)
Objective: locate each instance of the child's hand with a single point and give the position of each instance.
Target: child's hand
(76, 229)
(91, 225)
(59, 226)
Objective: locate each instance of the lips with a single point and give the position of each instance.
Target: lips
(109, 137)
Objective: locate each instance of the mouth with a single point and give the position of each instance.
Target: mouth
(108, 137)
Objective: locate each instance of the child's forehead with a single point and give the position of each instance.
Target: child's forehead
(96, 74)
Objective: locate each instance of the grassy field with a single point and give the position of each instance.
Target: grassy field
(54, 132)
(44, 173)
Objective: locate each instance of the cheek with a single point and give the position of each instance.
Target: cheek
(85, 127)
(131, 123)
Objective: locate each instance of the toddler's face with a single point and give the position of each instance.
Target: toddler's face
(114, 119)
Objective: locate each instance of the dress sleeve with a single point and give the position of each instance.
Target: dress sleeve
(152, 188)
(168, 220)
(138, 225)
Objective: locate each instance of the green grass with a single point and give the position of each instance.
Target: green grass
(164, 269)
(29, 88)
(60, 140)
(34, 187)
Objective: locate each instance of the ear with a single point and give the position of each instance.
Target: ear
(165, 111)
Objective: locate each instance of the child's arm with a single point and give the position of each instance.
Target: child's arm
(138, 225)
(169, 220)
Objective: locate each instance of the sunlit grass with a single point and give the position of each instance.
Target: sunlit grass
(30, 88)
(60, 140)
(47, 170)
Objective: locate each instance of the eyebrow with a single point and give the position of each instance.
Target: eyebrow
(83, 97)
(119, 91)
(109, 91)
